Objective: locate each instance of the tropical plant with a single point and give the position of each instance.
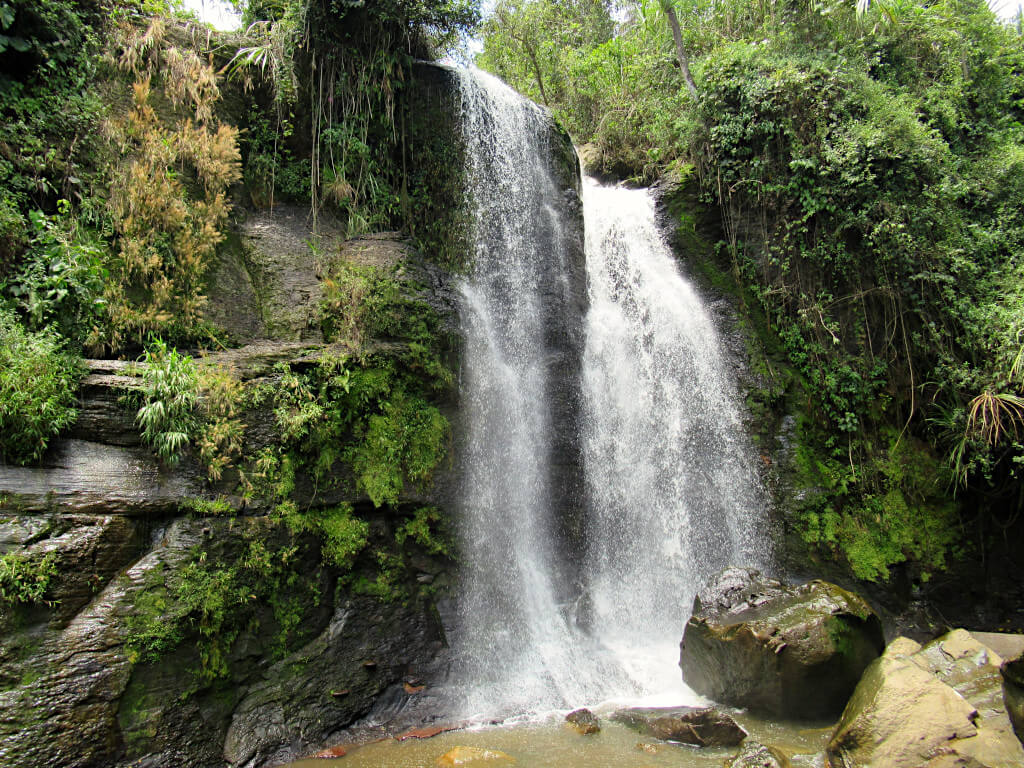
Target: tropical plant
(166, 235)
(169, 391)
(24, 578)
(61, 277)
(38, 380)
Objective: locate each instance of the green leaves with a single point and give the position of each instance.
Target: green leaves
(24, 579)
(15, 43)
(37, 390)
(170, 394)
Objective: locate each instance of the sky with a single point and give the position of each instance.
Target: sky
(219, 13)
(216, 13)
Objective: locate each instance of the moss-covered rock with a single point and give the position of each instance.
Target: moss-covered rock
(790, 651)
(916, 707)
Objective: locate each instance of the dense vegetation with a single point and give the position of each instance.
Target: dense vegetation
(129, 138)
(864, 163)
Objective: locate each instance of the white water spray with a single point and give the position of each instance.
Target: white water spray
(673, 497)
(670, 499)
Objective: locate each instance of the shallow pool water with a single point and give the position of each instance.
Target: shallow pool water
(553, 744)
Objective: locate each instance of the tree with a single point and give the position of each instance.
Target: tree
(677, 35)
(530, 43)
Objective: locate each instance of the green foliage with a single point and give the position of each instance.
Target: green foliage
(47, 100)
(387, 583)
(25, 579)
(341, 138)
(218, 507)
(538, 46)
(60, 281)
(361, 303)
(370, 417)
(219, 439)
(37, 390)
(211, 600)
(169, 393)
(426, 528)
(885, 511)
(866, 166)
(342, 536)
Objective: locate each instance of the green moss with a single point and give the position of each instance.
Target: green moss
(842, 636)
(200, 507)
(427, 529)
(224, 589)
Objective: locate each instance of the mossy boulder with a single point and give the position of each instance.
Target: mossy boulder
(583, 721)
(940, 705)
(789, 651)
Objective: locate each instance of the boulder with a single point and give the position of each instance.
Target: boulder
(916, 707)
(754, 755)
(472, 756)
(789, 651)
(583, 721)
(700, 726)
(1013, 693)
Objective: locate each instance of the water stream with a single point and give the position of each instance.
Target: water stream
(517, 648)
(672, 494)
(630, 399)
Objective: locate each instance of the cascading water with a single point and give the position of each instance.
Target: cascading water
(517, 648)
(669, 498)
(672, 494)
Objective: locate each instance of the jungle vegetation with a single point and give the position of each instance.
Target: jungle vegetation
(863, 165)
(130, 137)
(854, 171)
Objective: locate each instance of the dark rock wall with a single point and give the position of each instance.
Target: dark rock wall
(565, 310)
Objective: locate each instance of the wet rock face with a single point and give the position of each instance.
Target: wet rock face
(1013, 693)
(699, 726)
(940, 705)
(76, 692)
(789, 651)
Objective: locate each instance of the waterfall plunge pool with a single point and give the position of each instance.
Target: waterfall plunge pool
(551, 743)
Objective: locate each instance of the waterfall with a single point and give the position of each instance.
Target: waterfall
(633, 392)
(522, 325)
(673, 495)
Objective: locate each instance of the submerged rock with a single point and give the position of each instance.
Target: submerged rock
(700, 726)
(1013, 693)
(583, 721)
(916, 707)
(790, 651)
(472, 756)
(754, 755)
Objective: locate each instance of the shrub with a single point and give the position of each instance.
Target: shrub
(23, 580)
(37, 390)
(170, 393)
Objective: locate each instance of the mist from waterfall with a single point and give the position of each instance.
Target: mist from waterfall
(669, 497)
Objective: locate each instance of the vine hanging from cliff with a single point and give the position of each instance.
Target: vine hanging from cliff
(338, 70)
